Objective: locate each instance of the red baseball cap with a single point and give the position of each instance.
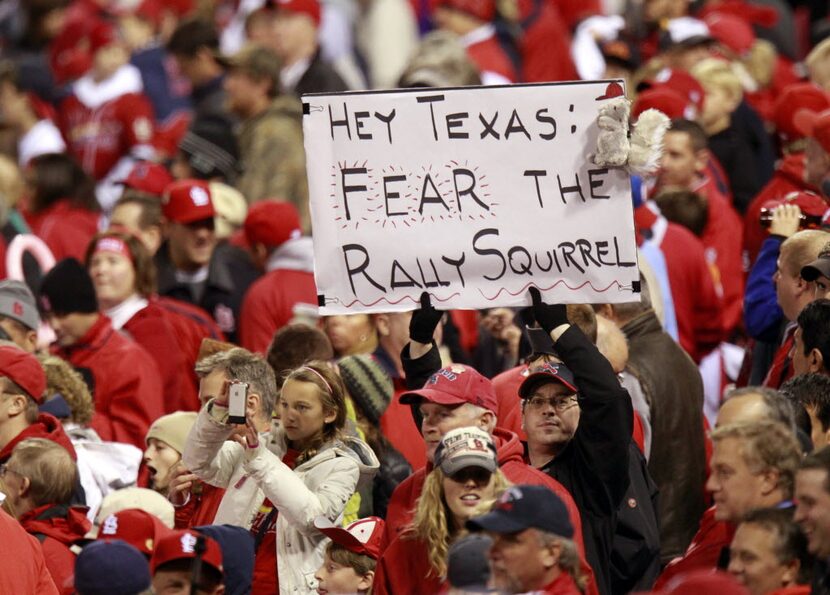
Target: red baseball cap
(731, 31)
(810, 203)
(187, 201)
(272, 222)
(815, 125)
(484, 10)
(148, 177)
(681, 82)
(793, 98)
(665, 100)
(139, 528)
(364, 536)
(100, 36)
(455, 385)
(181, 545)
(24, 370)
(307, 7)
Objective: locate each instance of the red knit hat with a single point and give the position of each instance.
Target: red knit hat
(792, 99)
(272, 222)
(24, 370)
(663, 99)
(731, 31)
(187, 201)
(181, 545)
(307, 7)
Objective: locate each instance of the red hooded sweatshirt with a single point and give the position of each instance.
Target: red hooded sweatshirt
(787, 177)
(58, 528)
(23, 569)
(510, 452)
(127, 384)
(47, 427)
(404, 569)
(705, 550)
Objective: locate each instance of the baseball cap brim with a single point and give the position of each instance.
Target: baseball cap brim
(818, 268)
(433, 396)
(453, 465)
(538, 378)
(497, 521)
(340, 536)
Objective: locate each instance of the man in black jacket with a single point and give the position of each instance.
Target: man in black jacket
(593, 460)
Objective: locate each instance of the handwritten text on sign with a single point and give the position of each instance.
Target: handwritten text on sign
(471, 194)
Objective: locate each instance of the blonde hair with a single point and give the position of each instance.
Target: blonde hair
(568, 557)
(63, 379)
(802, 248)
(713, 72)
(50, 469)
(760, 62)
(432, 521)
(817, 59)
(766, 445)
(11, 186)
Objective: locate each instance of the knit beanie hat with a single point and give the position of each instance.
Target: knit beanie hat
(18, 303)
(68, 289)
(368, 384)
(172, 429)
(211, 149)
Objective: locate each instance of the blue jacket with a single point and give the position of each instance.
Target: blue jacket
(762, 314)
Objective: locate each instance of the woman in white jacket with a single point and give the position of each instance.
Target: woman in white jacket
(305, 466)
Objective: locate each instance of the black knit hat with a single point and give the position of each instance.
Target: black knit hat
(368, 384)
(211, 149)
(67, 289)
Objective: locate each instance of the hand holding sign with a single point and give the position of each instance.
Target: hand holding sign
(549, 316)
(424, 321)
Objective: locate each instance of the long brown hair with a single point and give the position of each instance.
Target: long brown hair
(145, 268)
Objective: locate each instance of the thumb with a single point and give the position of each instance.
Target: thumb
(535, 297)
(426, 302)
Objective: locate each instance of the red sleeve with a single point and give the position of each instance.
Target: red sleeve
(132, 402)
(256, 325)
(60, 562)
(136, 115)
(158, 340)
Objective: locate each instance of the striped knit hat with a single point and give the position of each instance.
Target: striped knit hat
(368, 384)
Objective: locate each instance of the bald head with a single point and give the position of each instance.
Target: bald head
(754, 404)
(611, 343)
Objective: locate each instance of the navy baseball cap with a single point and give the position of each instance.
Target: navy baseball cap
(526, 507)
(550, 372)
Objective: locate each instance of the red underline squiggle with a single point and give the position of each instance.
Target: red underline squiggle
(406, 297)
(560, 282)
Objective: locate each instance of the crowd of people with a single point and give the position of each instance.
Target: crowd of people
(175, 416)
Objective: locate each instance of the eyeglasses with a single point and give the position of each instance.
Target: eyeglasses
(4, 469)
(559, 404)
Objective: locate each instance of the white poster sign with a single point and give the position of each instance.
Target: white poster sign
(473, 194)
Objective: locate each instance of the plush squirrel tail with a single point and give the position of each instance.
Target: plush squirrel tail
(647, 142)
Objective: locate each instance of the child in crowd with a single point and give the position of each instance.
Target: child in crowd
(351, 557)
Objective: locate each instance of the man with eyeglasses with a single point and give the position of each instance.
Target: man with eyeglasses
(578, 420)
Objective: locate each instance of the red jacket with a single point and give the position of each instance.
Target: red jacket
(58, 528)
(67, 230)
(509, 413)
(404, 569)
(399, 427)
(781, 368)
(269, 305)
(402, 504)
(723, 244)
(98, 137)
(200, 509)
(545, 43)
(489, 56)
(47, 427)
(190, 325)
(563, 584)
(704, 551)
(697, 306)
(127, 385)
(23, 569)
(150, 327)
(787, 177)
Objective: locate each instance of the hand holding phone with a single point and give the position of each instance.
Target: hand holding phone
(237, 401)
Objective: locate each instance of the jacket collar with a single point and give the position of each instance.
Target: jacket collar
(643, 324)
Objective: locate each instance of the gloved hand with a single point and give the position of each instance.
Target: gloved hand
(424, 321)
(548, 316)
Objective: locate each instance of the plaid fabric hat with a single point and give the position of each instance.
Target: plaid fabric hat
(368, 384)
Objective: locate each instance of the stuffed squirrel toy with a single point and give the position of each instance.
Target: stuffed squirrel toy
(641, 152)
